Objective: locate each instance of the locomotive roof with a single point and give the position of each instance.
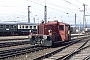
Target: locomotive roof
(64, 23)
(53, 22)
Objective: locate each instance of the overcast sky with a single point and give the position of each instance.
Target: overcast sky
(17, 10)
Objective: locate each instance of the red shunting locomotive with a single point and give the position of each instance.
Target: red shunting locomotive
(50, 33)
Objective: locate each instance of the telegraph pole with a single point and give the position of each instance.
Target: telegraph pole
(28, 14)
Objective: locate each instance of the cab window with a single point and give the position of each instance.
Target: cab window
(61, 27)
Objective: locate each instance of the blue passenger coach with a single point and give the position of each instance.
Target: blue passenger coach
(17, 28)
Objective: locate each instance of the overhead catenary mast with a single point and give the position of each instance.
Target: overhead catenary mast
(84, 16)
(84, 19)
(75, 22)
(28, 14)
(45, 13)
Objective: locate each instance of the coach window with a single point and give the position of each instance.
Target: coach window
(26, 26)
(7, 26)
(34, 27)
(20, 26)
(61, 27)
(30, 27)
(15, 26)
(12, 26)
(1, 26)
(23, 26)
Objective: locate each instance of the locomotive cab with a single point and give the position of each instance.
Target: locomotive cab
(50, 33)
(64, 31)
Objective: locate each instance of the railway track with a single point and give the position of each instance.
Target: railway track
(75, 51)
(24, 50)
(13, 42)
(56, 51)
(87, 57)
(19, 51)
(62, 52)
(9, 44)
(82, 53)
(13, 39)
